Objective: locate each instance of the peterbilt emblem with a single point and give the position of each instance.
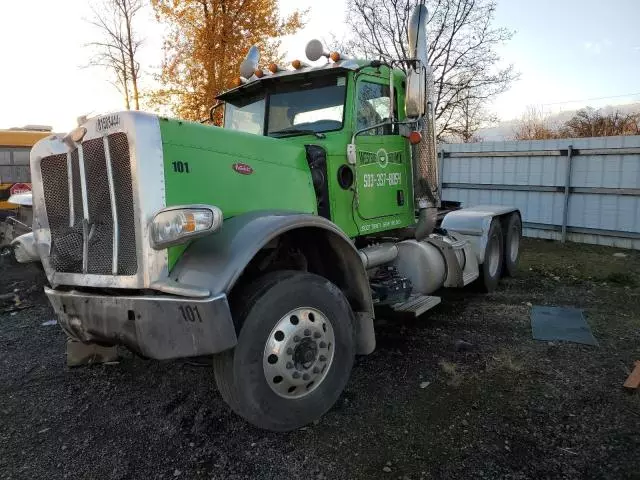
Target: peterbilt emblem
(242, 168)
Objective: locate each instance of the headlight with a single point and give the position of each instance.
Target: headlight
(176, 225)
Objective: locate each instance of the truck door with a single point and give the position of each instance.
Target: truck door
(381, 165)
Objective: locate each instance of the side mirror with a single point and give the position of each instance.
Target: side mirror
(416, 95)
(416, 100)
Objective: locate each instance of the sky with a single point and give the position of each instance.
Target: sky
(569, 53)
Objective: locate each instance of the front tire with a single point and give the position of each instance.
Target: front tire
(295, 351)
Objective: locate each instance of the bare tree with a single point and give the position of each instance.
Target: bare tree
(462, 49)
(118, 47)
(534, 125)
(589, 122)
(469, 117)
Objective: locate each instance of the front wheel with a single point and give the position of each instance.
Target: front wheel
(295, 351)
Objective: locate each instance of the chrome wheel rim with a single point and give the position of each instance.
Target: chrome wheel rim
(298, 353)
(514, 244)
(494, 255)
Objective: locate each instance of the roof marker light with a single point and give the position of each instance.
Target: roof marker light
(335, 56)
(275, 68)
(298, 64)
(239, 81)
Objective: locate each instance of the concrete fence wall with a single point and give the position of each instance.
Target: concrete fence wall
(583, 190)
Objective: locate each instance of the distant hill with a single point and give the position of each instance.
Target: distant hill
(504, 130)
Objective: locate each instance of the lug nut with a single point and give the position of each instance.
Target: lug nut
(296, 375)
(307, 332)
(323, 345)
(289, 365)
(305, 376)
(296, 338)
(289, 351)
(322, 358)
(316, 335)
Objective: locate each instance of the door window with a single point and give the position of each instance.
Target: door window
(374, 107)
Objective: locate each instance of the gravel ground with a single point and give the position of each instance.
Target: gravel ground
(424, 405)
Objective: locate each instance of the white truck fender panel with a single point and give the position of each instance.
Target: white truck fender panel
(474, 223)
(24, 248)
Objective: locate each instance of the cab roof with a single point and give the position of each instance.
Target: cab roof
(255, 84)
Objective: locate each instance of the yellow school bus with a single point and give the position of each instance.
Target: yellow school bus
(15, 145)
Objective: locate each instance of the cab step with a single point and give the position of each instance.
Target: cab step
(416, 304)
(468, 277)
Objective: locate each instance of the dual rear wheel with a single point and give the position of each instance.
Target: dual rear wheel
(501, 251)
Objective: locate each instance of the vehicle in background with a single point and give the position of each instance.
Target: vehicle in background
(15, 178)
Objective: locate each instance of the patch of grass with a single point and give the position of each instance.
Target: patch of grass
(448, 367)
(580, 262)
(622, 278)
(505, 361)
(451, 370)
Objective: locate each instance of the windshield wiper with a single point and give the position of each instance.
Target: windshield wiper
(298, 131)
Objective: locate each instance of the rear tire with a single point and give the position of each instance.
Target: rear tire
(512, 236)
(295, 351)
(493, 258)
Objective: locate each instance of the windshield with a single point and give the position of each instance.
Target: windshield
(295, 108)
(246, 117)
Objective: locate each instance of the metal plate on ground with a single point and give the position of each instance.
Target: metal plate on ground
(559, 323)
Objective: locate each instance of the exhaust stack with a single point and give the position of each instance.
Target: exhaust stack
(419, 106)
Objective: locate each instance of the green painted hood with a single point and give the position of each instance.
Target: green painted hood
(235, 171)
(238, 172)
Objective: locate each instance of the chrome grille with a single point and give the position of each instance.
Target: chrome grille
(83, 242)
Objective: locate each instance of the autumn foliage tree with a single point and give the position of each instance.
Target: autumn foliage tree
(205, 44)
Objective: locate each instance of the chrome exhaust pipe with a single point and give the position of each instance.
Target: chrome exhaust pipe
(420, 105)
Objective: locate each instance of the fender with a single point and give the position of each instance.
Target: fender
(474, 222)
(217, 261)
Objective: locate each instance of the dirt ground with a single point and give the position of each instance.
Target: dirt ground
(505, 407)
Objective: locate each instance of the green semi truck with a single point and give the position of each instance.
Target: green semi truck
(270, 243)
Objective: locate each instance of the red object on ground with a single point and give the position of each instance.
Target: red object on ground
(633, 381)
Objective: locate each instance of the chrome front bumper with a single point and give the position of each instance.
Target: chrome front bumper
(160, 327)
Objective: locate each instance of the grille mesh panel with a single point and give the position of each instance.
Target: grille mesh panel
(67, 240)
(123, 186)
(100, 219)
